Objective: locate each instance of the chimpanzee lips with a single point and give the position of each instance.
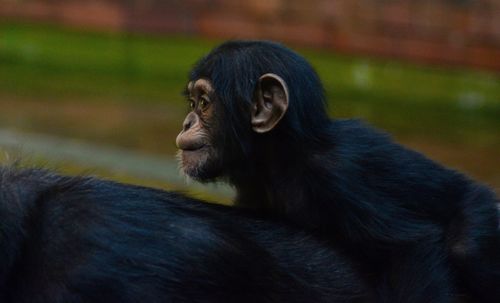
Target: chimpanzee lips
(189, 144)
(192, 147)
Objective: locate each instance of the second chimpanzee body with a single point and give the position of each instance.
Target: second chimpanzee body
(420, 231)
(81, 239)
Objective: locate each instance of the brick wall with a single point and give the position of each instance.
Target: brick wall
(461, 32)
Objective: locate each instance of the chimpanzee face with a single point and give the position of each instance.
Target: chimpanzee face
(198, 155)
(202, 141)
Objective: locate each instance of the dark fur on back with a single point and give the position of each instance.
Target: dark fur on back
(81, 239)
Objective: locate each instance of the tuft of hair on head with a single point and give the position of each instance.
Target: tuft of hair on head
(234, 69)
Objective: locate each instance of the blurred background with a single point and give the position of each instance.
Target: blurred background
(95, 86)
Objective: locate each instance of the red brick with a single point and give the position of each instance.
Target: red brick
(95, 14)
(431, 31)
(483, 57)
(297, 33)
(215, 25)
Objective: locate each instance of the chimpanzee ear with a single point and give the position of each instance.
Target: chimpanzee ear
(270, 103)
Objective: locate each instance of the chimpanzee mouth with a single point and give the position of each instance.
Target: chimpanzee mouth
(194, 148)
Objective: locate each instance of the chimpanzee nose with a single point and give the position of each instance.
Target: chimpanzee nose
(189, 121)
(186, 125)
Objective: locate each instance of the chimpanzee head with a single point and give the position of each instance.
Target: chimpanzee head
(242, 95)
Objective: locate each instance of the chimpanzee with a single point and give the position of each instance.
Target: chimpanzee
(81, 239)
(258, 121)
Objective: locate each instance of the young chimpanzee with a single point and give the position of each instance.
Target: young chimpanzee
(421, 231)
(80, 239)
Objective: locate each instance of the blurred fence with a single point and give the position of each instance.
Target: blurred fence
(463, 32)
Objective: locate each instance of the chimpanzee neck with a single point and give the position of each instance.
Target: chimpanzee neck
(276, 175)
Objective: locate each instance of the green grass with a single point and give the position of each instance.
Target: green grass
(448, 104)
(59, 64)
(124, 89)
(51, 62)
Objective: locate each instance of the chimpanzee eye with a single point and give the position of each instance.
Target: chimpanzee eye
(203, 103)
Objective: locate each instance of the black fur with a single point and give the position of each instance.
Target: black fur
(80, 239)
(421, 231)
